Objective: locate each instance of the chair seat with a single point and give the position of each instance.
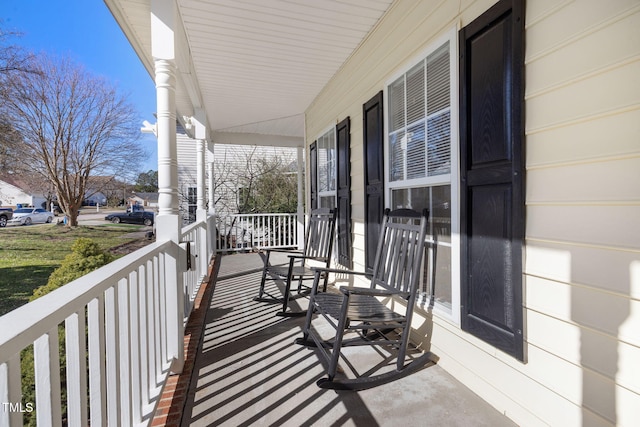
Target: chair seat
(298, 271)
(362, 308)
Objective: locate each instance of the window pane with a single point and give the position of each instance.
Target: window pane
(397, 148)
(396, 105)
(437, 261)
(328, 202)
(438, 80)
(439, 144)
(415, 152)
(192, 195)
(415, 94)
(420, 129)
(327, 162)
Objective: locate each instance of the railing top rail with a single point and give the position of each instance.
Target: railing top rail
(254, 215)
(191, 227)
(22, 326)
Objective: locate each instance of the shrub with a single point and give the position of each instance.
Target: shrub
(85, 257)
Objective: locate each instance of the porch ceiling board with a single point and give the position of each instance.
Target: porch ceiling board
(257, 64)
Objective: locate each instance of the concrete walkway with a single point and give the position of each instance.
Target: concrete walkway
(248, 371)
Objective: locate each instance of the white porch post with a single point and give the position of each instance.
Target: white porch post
(201, 211)
(163, 24)
(300, 207)
(201, 136)
(210, 178)
(212, 222)
(200, 183)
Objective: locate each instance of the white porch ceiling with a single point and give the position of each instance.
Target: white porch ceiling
(254, 66)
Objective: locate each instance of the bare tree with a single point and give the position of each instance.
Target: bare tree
(73, 125)
(12, 59)
(257, 182)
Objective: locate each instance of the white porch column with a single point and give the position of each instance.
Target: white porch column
(211, 179)
(201, 210)
(200, 183)
(200, 121)
(168, 224)
(168, 199)
(300, 207)
(213, 221)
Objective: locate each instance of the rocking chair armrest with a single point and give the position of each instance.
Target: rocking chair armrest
(303, 257)
(268, 250)
(355, 290)
(337, 270)
(284, 250)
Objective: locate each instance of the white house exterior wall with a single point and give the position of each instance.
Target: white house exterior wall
(582, 257)
(228, 159)
(11, 195)
(187, 169)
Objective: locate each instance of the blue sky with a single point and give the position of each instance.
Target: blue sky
(86, 31)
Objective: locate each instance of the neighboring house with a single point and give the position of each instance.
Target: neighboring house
(14, 191)
(147, 200)
(187, 160)
(98, 189)
(230, 165)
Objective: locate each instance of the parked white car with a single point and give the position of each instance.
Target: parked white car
(27, 216)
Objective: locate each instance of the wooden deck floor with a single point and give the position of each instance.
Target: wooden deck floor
(248, 372)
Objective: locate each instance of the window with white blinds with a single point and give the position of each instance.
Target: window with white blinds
(419, 162)
(420, 119)
(327, 169)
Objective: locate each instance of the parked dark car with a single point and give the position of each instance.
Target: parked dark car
(5, 215)
(141, 217)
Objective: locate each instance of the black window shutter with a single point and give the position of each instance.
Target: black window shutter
(343, 145)
(373, 138)
(313, 174)
(492, 175)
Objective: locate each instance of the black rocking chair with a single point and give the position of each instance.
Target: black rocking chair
(318, 245)
(358, 311)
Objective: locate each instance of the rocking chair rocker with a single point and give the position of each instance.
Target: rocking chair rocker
(317, 247)
(357, 311)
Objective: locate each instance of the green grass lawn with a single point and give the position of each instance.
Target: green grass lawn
(28, 255)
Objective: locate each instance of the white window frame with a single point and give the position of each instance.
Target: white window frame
(452, 179)
(332, 192)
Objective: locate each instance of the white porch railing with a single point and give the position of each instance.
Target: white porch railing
(199, 253)
(241, 232)
(121, 326)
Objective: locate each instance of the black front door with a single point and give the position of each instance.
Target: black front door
(492, 175)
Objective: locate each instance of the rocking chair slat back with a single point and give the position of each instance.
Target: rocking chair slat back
(319, 234)
(399, 251)
(318, 244)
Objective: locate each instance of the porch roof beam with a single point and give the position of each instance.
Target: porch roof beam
(257, 139)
